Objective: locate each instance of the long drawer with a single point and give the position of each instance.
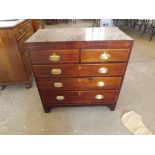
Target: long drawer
(78, 70)
(104, 55)
(92, 83)
(54, 56)
(77, 97)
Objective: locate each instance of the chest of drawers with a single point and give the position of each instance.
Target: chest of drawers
(79, 66)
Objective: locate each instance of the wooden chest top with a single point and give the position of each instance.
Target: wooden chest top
(78, 34)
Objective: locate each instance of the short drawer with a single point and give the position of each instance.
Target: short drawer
(21, 29)
(75, 70)
(23, 39)
(77, 97)
(104, 55)
(54, 56)
(92, 83)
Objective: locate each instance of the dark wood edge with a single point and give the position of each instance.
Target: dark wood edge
(48, 108)
(125, 70)
(77, 44)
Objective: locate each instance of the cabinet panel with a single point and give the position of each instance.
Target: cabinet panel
(11, 65)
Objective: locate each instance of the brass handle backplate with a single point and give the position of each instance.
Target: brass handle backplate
(58, 84)
(105, 56)
(100, 84)
(103, 70)
(60, 98)
(99, 97)
(54, 57)
(56, 71)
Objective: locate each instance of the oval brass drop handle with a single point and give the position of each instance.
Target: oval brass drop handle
(100, 84)
(99, 97)
(103, 70)
(54, 57)
(56, 71)
(60, 98)
(104, 56)
(58, 84)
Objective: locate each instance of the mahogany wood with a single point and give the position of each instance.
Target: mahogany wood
(66, 56)
(89, 83)
(93, 55)
(78, 68)
(71, 97)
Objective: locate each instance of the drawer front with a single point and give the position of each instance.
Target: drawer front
(21, 29)
(75, 70)
(54, 56)
(77, 97)
(104, 55)
(23, 39)
(96, 83)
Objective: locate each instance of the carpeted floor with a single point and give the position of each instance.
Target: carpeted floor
(21, 110)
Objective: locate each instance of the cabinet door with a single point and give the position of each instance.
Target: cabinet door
(11, 65)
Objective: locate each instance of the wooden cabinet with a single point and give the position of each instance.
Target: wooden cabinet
(15, 64)
(79, 66)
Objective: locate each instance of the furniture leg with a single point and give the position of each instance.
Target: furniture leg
(111, 107)
(47, 109)
(2, 87)
(28, 85)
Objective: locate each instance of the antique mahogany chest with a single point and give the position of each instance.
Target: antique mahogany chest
(79, 66)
